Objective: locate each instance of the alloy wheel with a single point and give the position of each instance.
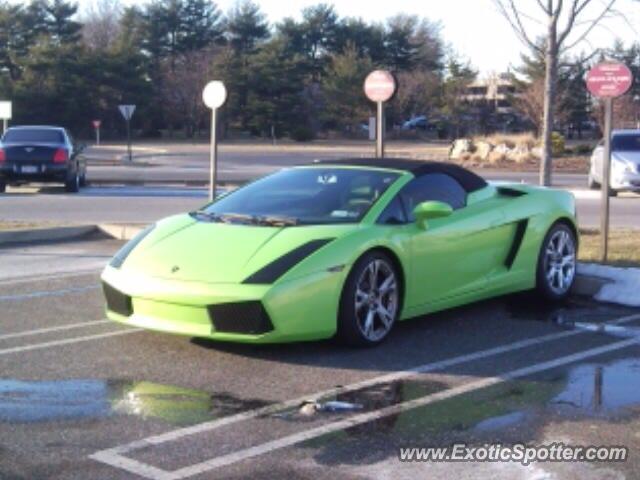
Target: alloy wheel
(560, 262)
(376, 300)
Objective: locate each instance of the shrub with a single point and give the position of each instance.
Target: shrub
(582, 149)
(302, 134)
(557, 143)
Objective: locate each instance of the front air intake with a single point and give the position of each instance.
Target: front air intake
(117, 301)
(240, 317)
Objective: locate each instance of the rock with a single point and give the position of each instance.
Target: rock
(483, 149)
(459, 147)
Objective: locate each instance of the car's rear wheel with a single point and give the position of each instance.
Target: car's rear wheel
(83, 179)
(3, 187)
(593, 185)
(72, 183)
(556, 269)
(370, 302)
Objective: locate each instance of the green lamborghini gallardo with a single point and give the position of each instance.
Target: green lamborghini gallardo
(342, 247)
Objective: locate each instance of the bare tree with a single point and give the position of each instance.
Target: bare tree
(183, 79)
(101, 23)
(564, 26)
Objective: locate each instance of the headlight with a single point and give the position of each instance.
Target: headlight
(122, 254)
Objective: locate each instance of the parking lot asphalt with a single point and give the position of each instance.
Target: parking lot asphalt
(81, 397)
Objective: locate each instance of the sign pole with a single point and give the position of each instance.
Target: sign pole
(213, 155)
(98, 136)
(129, 139)
(606, 179)
(380, 130)
(607, 80)
(4, 125)
(379, 87)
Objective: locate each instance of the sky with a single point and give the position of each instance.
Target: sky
(473, 28)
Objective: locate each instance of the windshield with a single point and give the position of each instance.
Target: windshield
(304, 196)
(36, 135)
(626, 143)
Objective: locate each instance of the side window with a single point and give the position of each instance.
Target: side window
(394, 214)
(434, 186)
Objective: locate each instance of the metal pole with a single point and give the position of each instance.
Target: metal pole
(129, 139)
(4, 125)
(380, 131)
(606, 174)
(213, 153)
(98, 136)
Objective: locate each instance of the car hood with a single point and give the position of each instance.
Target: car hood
(191, 250)
(633, 157)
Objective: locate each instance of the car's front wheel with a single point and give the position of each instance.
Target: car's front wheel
(3, 187)
(556, 270)
(370, 302)
(593, 185)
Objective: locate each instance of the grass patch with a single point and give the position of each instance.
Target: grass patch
(624, 247)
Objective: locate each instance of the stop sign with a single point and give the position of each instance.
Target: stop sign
(96, 123)
(379, 86)
(609, 79)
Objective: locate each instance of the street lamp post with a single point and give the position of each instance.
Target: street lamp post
(214, 95)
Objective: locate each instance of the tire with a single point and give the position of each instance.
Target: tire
(556, 268)
(361, 318)
(72, 183)
(593, 185)
(3, 187)
(83, 179)
(613, 193)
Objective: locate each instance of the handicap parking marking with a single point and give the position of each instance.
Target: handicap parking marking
(115, 456)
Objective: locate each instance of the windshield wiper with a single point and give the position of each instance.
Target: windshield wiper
(278, 221)
(271, 220)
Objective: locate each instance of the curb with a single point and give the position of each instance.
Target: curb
(588, 285)
(121, 231)
(46, 234)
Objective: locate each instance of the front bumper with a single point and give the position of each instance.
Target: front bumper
(626, 181)
(301, 309)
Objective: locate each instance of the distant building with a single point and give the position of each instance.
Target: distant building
(496, 89)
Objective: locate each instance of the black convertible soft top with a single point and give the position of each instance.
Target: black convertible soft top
(467, 179)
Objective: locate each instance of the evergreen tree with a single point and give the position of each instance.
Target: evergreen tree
(345, 106)
(247, 27)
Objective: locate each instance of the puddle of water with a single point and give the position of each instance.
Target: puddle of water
(601, 388)
(365, 399)
(527, 308)
(500, 422)
(42, 401)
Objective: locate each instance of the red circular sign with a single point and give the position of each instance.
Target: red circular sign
(609, 79)
(379, 86)
(96, 123)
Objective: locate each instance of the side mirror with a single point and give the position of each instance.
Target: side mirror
(427, 210)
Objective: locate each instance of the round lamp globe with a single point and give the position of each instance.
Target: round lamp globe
(214, 94)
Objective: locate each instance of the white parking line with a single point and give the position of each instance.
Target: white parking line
(40, 331)
(67, 341)
(115, 456)
(151, 472)
(38, 278)
(47, 293)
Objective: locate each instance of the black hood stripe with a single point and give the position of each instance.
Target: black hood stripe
(274, 270)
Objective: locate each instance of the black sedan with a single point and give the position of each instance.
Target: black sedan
(41, 154)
